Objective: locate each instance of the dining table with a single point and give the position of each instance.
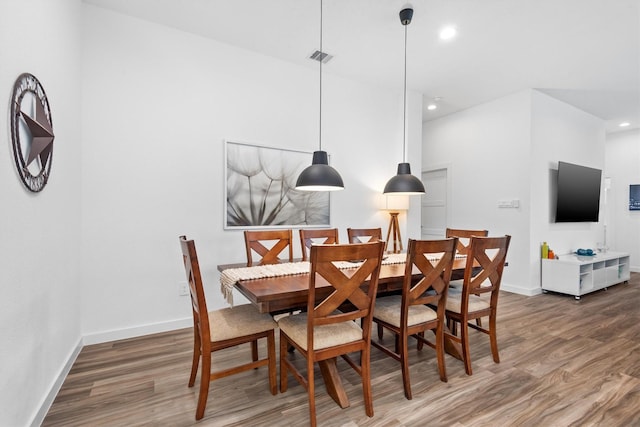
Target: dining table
(287, 293)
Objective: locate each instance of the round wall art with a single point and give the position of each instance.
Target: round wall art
(31, 132)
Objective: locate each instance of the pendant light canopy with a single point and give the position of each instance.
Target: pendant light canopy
(404, 183)
(320, 176)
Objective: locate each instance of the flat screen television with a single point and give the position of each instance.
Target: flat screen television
(578, 195)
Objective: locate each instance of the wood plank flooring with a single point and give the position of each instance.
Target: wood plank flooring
(563, 363)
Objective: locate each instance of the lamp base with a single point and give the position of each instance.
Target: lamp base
(394, 233)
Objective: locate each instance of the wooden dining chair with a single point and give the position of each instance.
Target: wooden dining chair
(363, 235)
(464, 237)
(479, 295)
(220, 329)
(421, 307)
(309, 237)
(323, 332)
(269, 244)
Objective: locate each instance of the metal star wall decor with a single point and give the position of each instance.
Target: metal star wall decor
(31, 132)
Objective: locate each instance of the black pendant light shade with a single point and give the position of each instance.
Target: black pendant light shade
(319, 176)
(404, 183)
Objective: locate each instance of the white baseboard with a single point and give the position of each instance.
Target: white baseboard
(55, 387)
(519, 290)
(136, 331)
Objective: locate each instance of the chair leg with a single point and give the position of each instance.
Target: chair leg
(404, 362)
(464, 337)
(493, 337)
(365, 366)
(271, 354)
(420, 344)
(440, 352)
(283, 363)
(311, 390)
(205, 378)
(254, 350)
(196, 358)
(380, 331)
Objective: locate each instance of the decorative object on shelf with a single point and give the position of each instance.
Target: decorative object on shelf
(320, 176)
(544, 249)
(404, 183)
(260, 189)
(585, 252)
(31, 132)
(394, 204)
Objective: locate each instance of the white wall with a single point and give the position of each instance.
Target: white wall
(561, 132)
(622, 165)
(504, 150)
(40, 244)
(488, 149)
(159, 103)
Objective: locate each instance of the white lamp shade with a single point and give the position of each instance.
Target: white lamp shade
(394, 203)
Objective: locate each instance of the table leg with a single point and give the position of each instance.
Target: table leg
(333, 382)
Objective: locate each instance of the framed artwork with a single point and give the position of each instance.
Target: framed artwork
(260, 189)
(634, 197)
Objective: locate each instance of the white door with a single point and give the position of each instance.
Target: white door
(434, 204)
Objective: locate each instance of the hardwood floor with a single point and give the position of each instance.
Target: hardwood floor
(563, 363)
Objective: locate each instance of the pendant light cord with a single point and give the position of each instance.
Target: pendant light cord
(404, 101)
(321, 59)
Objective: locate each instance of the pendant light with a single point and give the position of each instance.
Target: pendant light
(404, 183)
(320, 176)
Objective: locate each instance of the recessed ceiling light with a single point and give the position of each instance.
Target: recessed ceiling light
(431, 107)
(447, 33)
(624, 124)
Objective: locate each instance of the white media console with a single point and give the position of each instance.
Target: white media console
(578, 275)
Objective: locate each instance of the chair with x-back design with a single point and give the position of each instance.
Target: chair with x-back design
(421, 306)
(310, 236)
(464, 237)
(258, 240)
(479, 295)
(363, 235)
(339, 323)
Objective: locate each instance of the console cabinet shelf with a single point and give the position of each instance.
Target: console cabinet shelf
(578, 275)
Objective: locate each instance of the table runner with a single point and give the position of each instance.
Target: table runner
(230, 276)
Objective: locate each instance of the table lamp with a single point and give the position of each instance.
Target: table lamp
(394, 205)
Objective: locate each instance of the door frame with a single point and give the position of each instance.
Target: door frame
(448, 168)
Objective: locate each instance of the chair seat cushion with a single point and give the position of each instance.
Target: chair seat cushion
(238, 321)
(324, 336)
(388, 310)
(454, 302)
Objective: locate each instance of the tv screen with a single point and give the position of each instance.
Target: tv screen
(578, 193)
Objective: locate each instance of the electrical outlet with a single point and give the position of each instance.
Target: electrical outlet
(183, 288)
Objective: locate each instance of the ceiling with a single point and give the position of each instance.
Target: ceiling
(583, 52)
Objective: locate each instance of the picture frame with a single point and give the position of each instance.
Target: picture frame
(634, 197)
(260, 189)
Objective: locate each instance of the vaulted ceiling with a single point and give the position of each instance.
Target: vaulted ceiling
(583, 52)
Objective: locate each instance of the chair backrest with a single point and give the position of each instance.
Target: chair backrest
(345, 285)
(309, 237)
(255, 242)
(483, 271)
(198, 301)
(363, 235)
(434, 259)
(464, 237)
